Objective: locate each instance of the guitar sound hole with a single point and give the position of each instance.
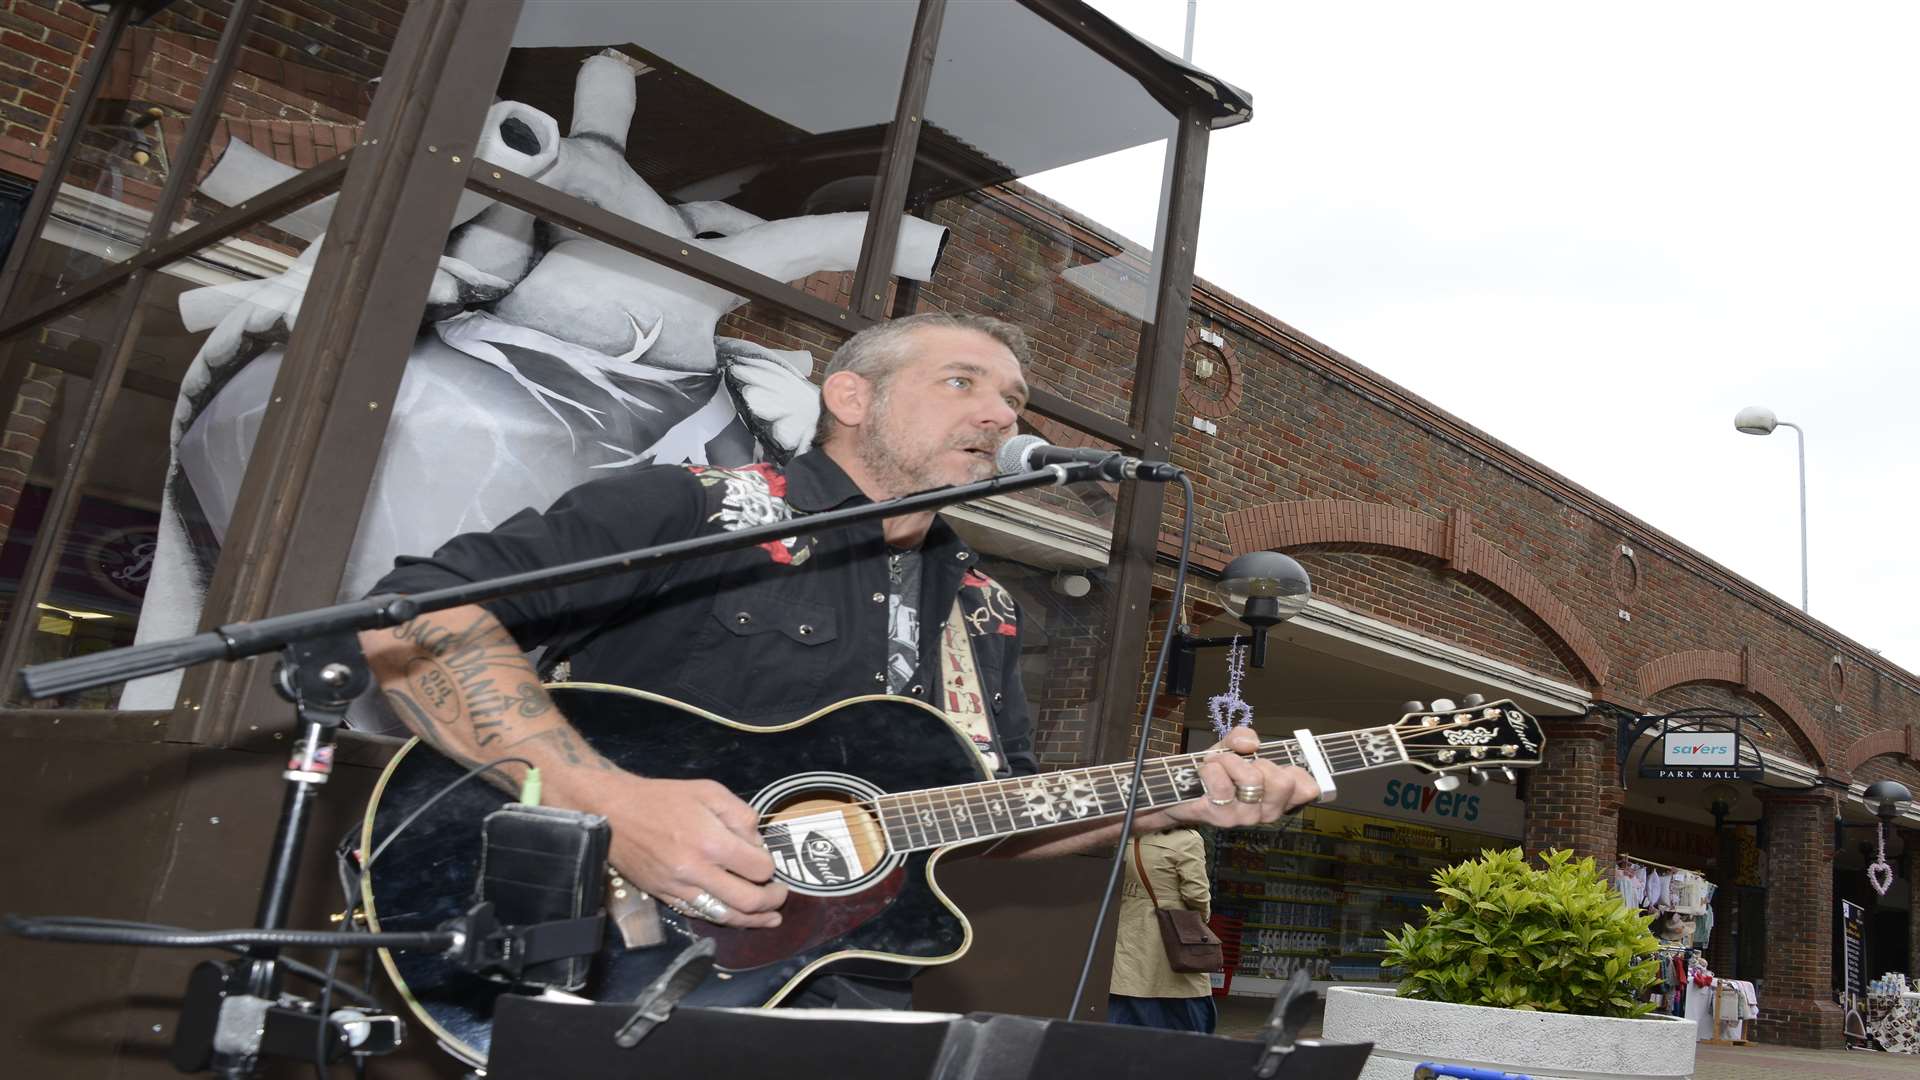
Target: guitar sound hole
(826, 841)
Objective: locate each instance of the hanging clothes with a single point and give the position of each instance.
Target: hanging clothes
(1631, 880)
(1656, 891)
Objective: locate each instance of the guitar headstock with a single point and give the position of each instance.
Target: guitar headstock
(1488, 736)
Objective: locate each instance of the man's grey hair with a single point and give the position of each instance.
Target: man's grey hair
(877, 352)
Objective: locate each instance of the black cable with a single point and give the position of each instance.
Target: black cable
(59, 929)
(429, 804)
(1140, 752)
(305, 971)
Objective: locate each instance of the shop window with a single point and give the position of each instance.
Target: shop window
(13, 207)
(92, 596)
(166, 460)
(996, 160)
(1319, 893)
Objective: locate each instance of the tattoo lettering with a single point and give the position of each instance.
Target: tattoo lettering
(437, 697)
(460, 678)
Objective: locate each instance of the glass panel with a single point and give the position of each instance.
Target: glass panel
(1063, 633)
(752, 128)
(299, 94)
(90, 606)
(155, 500)
(1023, 125)
(106, 198)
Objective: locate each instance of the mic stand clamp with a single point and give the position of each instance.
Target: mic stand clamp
(485, 947)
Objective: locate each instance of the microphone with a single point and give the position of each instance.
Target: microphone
(1025, 453)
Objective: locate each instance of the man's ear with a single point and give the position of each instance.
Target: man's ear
(849, 397)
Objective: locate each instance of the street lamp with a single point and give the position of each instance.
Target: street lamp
(1262, 589)
(1758, 420)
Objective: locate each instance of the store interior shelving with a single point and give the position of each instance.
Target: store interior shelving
(1320, 892)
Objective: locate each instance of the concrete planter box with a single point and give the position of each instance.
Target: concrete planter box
(1545, 1046)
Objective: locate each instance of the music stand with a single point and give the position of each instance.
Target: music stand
(540, 1038)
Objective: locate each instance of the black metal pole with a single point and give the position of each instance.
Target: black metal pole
(238, 640)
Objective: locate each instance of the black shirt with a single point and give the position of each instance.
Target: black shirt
(761, 636)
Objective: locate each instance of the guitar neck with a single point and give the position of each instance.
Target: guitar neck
(937, 817)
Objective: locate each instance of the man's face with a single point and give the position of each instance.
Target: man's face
(942, 415)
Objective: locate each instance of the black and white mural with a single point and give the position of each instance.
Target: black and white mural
(545, 358)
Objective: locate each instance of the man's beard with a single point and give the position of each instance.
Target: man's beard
(902, 470)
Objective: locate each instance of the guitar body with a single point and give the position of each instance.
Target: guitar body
(856, 904)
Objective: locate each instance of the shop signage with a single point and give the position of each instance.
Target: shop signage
(1696, 745)
(1409, 795)
(1853, 926)
(1682, 843)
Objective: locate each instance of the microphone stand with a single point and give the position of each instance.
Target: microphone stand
(321, 671)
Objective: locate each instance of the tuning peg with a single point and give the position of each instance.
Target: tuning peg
(1441, 704)
(1473, 701)
(1412, 707)
(1476, 776)
(1507, 775)
(1446, 783)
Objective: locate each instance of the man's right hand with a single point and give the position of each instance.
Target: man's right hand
(458, 680)
(678, 839)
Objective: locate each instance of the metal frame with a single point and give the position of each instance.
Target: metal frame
(41, 204)
(104, 386)
(896, 162)
(1137, 523)
(271, 203)
(631, 236)
(300, 502)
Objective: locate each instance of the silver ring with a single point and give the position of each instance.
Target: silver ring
(680, 906)
(1211, 801)
(710, 907)
(1249, 793)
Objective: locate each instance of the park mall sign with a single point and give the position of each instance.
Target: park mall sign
(1700, 755)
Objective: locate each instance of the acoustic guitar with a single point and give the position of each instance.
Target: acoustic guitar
(857, 802)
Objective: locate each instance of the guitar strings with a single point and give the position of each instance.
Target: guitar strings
(980, 797)
(985, 796)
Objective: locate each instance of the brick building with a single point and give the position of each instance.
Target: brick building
(1443, 561)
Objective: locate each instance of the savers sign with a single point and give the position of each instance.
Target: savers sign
(1409, 795)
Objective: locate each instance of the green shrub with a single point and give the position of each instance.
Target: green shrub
(1556, 939)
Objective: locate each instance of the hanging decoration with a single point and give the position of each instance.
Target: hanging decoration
(1229, 710)
(1880, 873)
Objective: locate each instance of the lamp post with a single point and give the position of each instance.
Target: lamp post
(1262, 589)
(1757, 420)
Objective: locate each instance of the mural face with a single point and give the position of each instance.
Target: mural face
(545, 358)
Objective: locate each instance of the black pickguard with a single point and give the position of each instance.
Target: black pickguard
(428, 874)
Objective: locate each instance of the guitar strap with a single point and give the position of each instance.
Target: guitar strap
(963, 698)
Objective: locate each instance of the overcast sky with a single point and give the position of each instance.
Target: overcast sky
(1596, 233)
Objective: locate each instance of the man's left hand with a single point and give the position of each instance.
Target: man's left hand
(1232, 776)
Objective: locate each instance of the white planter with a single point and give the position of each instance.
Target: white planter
(1545, 1046)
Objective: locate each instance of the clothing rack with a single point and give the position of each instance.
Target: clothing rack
(1718, 986)
(1661, 865)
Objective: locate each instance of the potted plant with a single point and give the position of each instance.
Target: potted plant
(1536, 970)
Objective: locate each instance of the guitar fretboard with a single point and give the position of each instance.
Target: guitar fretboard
(936, 817)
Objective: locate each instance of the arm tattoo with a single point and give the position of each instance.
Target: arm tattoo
(466, 686)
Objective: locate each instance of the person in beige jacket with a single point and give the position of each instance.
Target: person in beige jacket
(1145, 990)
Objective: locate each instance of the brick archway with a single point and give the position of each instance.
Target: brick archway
(1277, 526)
(1900, 742)
(1738, 670)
